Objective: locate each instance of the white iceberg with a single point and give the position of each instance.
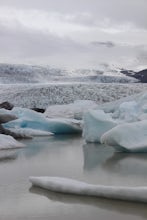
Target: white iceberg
(65, 185)
(30, 132)
(8, 142)
(73, 110)
(27, 114)
(131, 137)
(127, 111)
(96, 123)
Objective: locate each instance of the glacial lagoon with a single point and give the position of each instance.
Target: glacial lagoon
(71, 157)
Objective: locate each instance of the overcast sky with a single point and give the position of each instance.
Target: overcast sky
(74, 33)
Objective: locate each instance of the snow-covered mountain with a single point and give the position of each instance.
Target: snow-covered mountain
(16, 74)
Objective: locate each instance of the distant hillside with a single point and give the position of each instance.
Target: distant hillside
(141, 75)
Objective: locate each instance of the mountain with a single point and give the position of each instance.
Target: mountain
(141, 75)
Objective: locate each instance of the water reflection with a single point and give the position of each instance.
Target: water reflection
(8, 155)
(98, 156)
(39, 144)
(127, 164)
(95, 155)
(137, 209)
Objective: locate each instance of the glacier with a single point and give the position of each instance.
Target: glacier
(18, 73)
(43, 95)
(70, 186)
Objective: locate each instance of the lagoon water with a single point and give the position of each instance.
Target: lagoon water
(68, 156)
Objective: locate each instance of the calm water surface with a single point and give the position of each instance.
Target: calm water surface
(68, 157)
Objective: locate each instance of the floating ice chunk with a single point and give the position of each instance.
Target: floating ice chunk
(144, 108)
(30, 119)
(7, 117)
(142, 117)
(127, 111)
(73, 110)
(4, 111)
(56, 126)
(27, 114)
(96, 123)
(65, 185)
(131, 137)
(7, 142)
(30, 132)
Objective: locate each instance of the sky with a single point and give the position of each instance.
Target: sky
(74, 33)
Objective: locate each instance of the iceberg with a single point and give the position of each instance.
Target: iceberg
(55, 126)
(29, 119)
(30, 132)
(127, 111)
(6, 118)
(8, 142)
(27, 114)
(130, 137)
(96, 123)
(73, 110)
(65, 185)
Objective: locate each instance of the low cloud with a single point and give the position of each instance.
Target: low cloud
(108, 44)
(78, 32)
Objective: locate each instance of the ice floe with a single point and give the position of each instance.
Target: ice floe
(65, 185)
(30, 132)
(8, 142)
